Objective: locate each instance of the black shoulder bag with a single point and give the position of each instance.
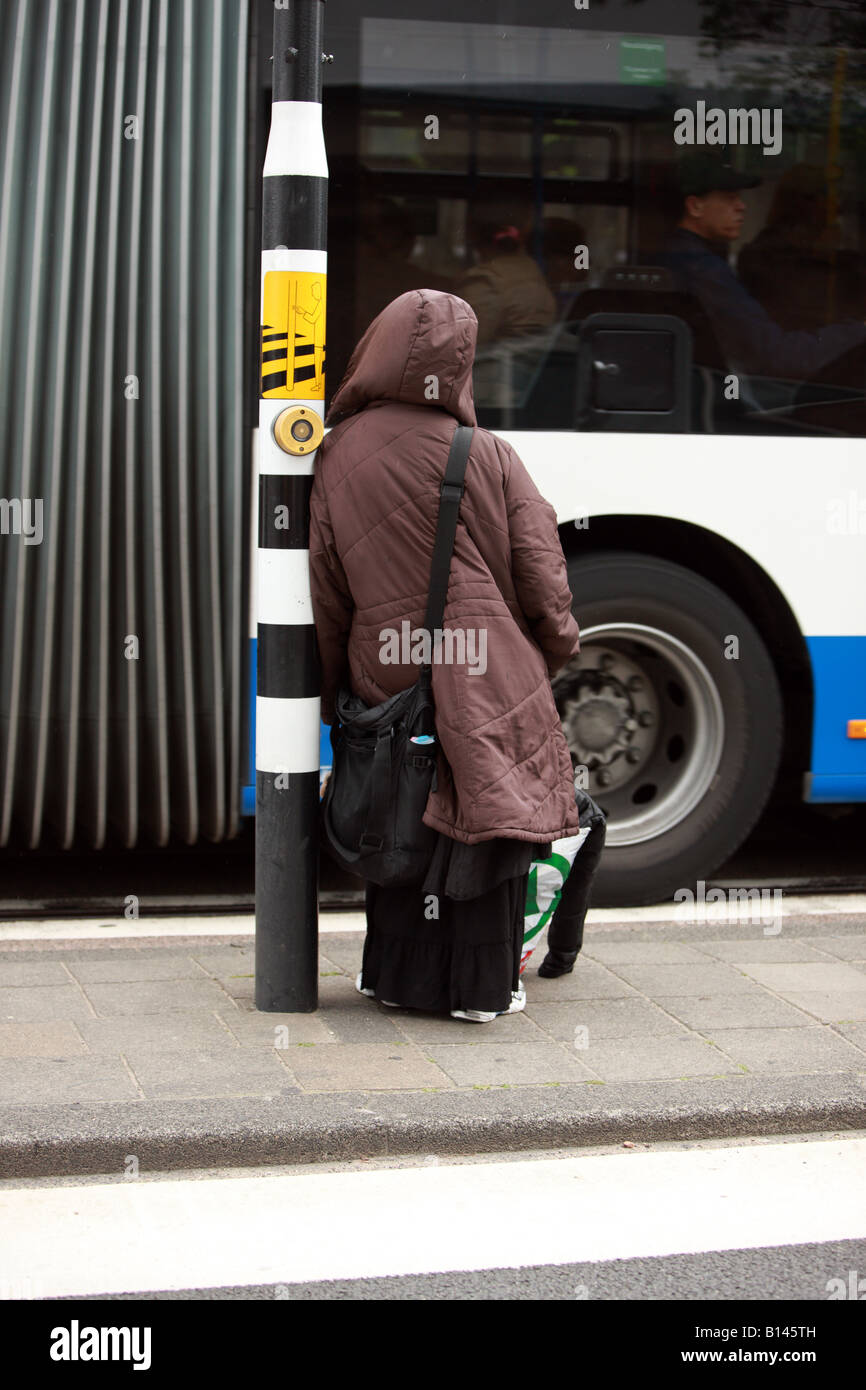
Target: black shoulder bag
(384, 764)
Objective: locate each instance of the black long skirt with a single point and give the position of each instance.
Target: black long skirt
(432, 947)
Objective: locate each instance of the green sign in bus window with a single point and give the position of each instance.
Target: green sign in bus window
(641, 60)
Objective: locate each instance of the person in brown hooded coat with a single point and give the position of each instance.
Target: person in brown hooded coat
(505, 785)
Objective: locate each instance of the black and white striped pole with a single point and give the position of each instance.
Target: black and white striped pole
(291, 412)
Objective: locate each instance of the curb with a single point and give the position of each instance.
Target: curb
(294, 1128)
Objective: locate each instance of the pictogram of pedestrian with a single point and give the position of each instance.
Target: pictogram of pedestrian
(314, 315)
(293, 335)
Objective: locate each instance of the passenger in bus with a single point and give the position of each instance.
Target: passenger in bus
(506, 289)
(505, 787)
(516, 310)
(711, 211)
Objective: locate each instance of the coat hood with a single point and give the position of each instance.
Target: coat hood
(422, 333)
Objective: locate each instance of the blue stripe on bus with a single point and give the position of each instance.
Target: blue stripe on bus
(248, 792)
(838, 762)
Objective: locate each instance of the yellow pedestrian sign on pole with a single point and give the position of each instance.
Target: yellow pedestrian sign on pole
(293, 335)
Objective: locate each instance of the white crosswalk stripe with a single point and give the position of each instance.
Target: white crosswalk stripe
(158, 1232)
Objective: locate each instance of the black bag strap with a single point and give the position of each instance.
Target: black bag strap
(377, 816)
(450, 494)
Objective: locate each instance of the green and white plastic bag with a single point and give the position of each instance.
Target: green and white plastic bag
(544, 889)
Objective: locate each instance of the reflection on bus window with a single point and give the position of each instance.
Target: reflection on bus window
(712, 198)
(552, 195)
(796, 265)
(389, 234)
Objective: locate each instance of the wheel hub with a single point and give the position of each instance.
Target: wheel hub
(608, 714)
(596, 722)
(641, 713)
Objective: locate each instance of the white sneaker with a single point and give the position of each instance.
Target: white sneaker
(518, 1000)
(517, 1005)
(371, 993)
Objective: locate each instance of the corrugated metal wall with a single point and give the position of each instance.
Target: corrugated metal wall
(121, 409)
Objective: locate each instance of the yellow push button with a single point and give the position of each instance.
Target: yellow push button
(857, 728)
(298, 430)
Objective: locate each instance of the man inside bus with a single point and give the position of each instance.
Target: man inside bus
(710, 213)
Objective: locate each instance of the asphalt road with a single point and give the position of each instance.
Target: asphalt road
(780, 1273)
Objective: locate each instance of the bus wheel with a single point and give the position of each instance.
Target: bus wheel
(673, 709)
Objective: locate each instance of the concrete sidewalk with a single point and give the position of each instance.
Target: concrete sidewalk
(664, 1030)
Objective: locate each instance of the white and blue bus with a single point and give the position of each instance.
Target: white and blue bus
(709, 485)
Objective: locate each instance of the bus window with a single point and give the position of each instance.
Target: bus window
(538, 169)
(393, 141)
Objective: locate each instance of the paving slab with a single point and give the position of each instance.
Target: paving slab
(370, 1023)
(843, 1006)
(159, 1032)
(854, 1032)
(122, 967)
(153, 997)
(235, 969)
(653, 1059)
(590, 981)
(763, 949)
(396, 1066)
(845, 947)
(355, 1018)
(488, 1064)
(423, 1028)
(33, 972)
(233, 962)
(605, 1018)
(66, 1080)
(238, 987)
(344, 950)
(58, 1039)
(641, 952)
(702, 979)
(43, 1004)
(226, 960)
(757, 1010)
(197, 1073)
(791, 1050)
(827, 977)
(252, 1029)
(373, 1024)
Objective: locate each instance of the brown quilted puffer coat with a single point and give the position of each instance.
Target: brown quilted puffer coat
(372, 524)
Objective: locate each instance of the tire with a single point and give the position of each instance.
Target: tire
(681, 742)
